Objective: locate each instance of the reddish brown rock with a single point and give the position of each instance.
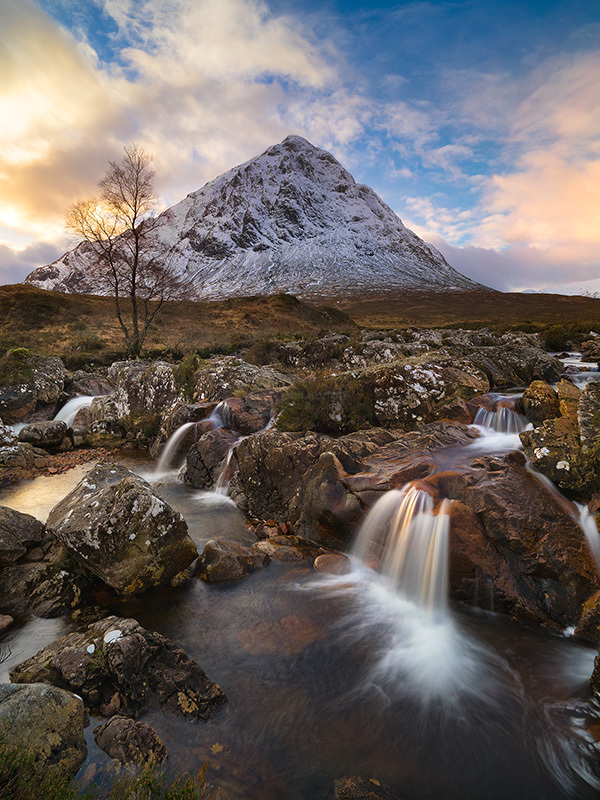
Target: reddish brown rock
(356, 788)
(130, 742)
(227, 561)
(333, 564)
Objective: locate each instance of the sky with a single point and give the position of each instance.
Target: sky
(478, 122)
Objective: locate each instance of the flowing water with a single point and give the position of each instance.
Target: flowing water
(370, 673)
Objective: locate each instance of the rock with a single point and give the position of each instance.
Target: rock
(520, 537)
(588, 417)
(588, 626)
(554, 450)
(187, 412)
(590, 350)
(227, 561)
(362, 789)
(117, 662)
(22, 456)
(130, 742)
(45, 720)
(206, 457)
(46, 435)
(7, 436)
(18, 533)
(540, 402)
(251, 413)
(5, 622)
(89, 384)
(39, 394)
(143, 386)
(287, 548)
(116, 527)
(333, 564)
(104, 433)
(45, 589)
(568, 400)
(232, 376)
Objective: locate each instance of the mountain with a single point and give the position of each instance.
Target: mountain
(290, 220)
(584, 288)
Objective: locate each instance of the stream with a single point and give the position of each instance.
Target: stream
(328, 676)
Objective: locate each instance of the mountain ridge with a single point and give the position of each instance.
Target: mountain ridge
(292, 219)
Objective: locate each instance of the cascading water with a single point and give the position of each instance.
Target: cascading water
(69, 411)
(503, 420)
(410, 543)
(171, 449)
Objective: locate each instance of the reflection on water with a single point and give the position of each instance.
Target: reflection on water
(40, 496)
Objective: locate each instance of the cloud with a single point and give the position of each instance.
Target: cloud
(15, 265)
(203, 85)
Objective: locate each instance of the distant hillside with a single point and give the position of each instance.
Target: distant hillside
(290, 220)
(582, 288)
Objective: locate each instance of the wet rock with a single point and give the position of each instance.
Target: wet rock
(103, 433)
(588, 626)
(117, 661)
(588, 417)
(187, 412)
(287, 637)
(287, 548)
(45, 589)
(22, 456)
(226, 561)
(100, 409)
(130, 742)
(554, 450)
(117, 528)
(333, 564)
(45, 435)
(540, 402)
(232, 376)
(251, 413)
(18, 533)
(568, 400)
(206, 457)
(521, 538)
(363, 789)
(46, 721)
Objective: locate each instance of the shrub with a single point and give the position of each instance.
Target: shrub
(15, 367)
(184, 374)
(328, 405)
(263, 351)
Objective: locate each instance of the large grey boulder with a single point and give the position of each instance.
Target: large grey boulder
(228, 377)
(46, 721)
(118, 528)
(143, 386)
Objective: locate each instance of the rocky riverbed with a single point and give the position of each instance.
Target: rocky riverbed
(236, 557)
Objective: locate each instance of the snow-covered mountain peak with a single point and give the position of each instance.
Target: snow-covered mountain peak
(291, 219)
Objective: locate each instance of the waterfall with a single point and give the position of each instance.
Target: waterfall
(222, 482)
(218, 415)
(171, 448)
(504, 420)
(411, 546)
(587, 523)
(69, 411)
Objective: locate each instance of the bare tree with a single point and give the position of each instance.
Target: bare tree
(119, 223)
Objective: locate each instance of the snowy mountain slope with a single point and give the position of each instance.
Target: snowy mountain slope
(584, 288)
(292, 219)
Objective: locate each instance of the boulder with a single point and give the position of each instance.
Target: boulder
(117, 664)
(509, 530)
(18, 533)
(228, 377)
(554, 450)
(5, 622)
(45, 720)
(540, 402)
(590, 350)
(18, 459)
(143, 386)
(130, 742)
(116, 527)
(206, 457)
(568, 400)
(226, 561)
(89, 384)
(42, 588)
(39, 393)
(45, 435)
(251, 413)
